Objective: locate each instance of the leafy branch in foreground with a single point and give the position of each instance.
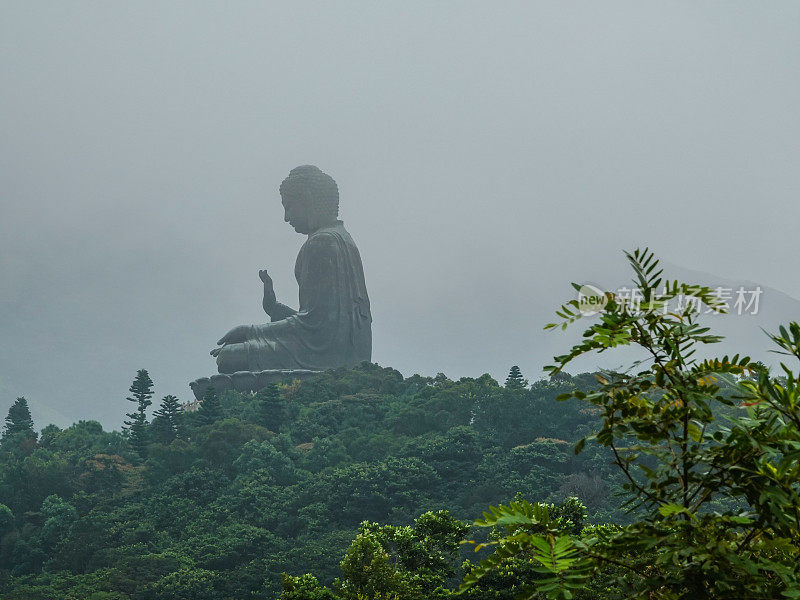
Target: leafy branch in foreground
(533, 533)
(718, 500)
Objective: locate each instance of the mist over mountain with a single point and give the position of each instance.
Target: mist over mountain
(93, 354)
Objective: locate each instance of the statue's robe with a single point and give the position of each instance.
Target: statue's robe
(332, 328)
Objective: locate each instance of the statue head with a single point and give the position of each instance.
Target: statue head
(310, 199)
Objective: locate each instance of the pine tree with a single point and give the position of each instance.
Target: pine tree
(210, 408)
(166, 420)
(18, 432)
(141, 391)
(272, 407)
(19, 419)
(514, 379)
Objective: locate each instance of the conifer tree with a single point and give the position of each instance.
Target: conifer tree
(18, 431)
(166, 420)
(272, 407)
(210, 408)
(141, 391)
(514, 379)
(19, 419)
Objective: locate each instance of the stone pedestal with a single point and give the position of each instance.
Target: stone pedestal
(247, 381)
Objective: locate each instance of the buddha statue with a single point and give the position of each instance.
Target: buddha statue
(332, 326)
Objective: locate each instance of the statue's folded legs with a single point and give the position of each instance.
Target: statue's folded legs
(233, 358)
(254, 355)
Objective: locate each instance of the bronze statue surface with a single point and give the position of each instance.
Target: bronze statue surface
(332, 326)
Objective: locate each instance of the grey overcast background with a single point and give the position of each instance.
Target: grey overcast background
(487, 154)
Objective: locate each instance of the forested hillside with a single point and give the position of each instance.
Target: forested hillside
(217, 503)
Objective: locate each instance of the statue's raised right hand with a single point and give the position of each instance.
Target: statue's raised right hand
(269, 292)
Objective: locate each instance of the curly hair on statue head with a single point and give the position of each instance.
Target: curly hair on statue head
(317, 190)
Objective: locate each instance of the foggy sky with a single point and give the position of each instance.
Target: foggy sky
(487, 155)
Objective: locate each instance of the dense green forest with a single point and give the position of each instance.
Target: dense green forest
(217, 503)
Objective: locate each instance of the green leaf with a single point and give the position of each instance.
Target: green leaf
(672, 509)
